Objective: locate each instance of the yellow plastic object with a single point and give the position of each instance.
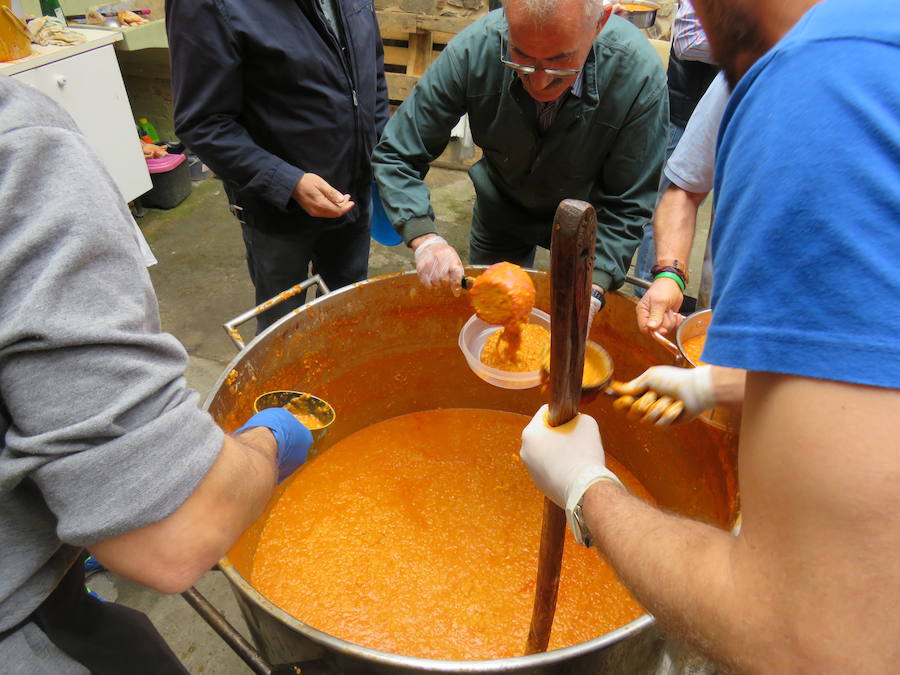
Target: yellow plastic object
(15, 40)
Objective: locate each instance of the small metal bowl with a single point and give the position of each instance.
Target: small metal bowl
(641, 18)
(301, 403)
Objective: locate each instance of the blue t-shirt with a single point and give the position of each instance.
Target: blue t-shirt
(806, 245)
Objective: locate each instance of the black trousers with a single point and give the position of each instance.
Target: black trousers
(277, 261)
(104, 637)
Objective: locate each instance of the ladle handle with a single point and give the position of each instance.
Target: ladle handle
(571, 264)
(232, 326)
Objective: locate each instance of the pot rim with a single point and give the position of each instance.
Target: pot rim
(344, 647)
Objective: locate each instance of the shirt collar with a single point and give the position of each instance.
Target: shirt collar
(578, 84)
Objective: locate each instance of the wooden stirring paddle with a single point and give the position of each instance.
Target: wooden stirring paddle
(571, 264)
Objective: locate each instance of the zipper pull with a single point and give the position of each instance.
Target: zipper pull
(355, 100)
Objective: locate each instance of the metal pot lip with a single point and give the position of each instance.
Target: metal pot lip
(431, 665)
(276, 327)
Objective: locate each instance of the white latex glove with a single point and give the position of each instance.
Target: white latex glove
(564, 461)
(666, 391)
(438, 264)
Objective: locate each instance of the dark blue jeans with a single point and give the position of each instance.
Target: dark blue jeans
(278, 261)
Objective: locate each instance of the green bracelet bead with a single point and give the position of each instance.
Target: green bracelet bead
(668, 275)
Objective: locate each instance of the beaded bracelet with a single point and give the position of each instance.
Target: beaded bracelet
(674, 277)
(674, 269)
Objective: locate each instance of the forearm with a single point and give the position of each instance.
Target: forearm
(414, 136)
(229, 150)
(173, 553)
(400, 166)
(682, 571)
(674, 224)
(728, 385)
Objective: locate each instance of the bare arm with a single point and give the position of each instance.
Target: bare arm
(674, 223)
(173, 553)
(729, 385)
(814, 567)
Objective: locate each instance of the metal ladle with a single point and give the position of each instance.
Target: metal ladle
(302, 404)
(597, 374)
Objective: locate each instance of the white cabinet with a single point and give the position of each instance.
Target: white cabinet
(86, 81)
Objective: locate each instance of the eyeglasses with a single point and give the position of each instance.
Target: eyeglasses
(528, 70)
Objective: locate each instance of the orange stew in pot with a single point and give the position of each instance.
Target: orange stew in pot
(419, 536)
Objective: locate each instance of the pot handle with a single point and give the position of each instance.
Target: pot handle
(235, 640)
(635, 281)
(667, 343)
(231, 326)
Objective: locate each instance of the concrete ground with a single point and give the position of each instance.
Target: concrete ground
(201, 282)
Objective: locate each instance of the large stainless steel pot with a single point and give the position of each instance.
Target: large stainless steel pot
(387, 347)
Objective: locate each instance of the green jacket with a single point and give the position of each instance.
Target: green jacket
(605, 147)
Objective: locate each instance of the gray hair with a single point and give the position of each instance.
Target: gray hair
(543, 10)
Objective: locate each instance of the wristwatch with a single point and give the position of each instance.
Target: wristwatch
(599, 296)
(579, 528)
(575, 513)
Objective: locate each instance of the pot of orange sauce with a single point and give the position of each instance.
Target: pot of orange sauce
(384, 351)
(690, 338)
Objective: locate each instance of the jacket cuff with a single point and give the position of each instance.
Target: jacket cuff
(281, 186)
(415, 227)
(602, 279)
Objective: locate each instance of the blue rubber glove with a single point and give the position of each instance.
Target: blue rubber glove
(292, 437)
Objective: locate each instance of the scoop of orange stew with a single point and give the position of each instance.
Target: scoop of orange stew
(503, 295)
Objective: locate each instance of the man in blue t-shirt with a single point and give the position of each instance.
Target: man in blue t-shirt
(806, 300)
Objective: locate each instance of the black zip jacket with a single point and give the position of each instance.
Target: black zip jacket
(264, 92)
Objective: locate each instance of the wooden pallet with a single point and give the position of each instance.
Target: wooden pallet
(411, 43)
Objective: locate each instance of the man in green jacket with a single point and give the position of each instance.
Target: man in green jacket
(566, 102)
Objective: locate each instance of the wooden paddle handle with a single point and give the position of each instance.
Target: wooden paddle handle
(571, 265)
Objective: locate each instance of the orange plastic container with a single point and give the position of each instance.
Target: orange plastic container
(15, 40)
